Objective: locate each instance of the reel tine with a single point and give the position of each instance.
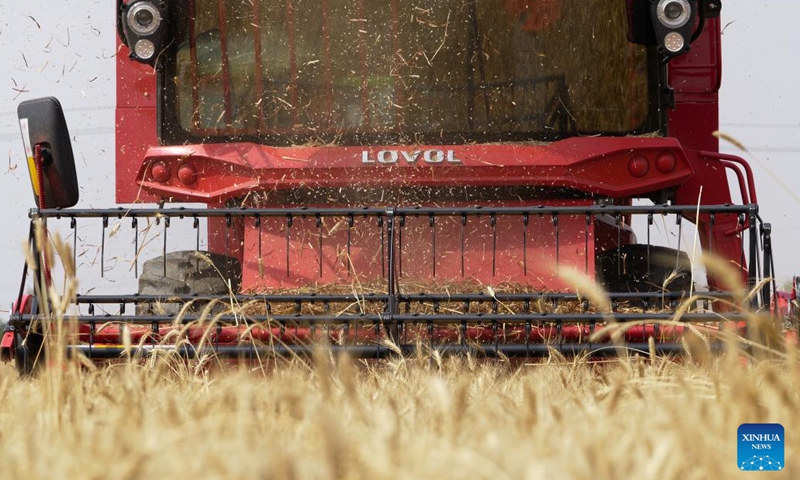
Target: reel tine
(493, 221)
(196, 226)
(649, 225)
(401, 224)
(383, 247)
(257, 223)
(463, 241)
(228, 221)
(135, 228)
(164, 248)
(288, 235)
(319, 235)
(74, 226)
(586, 243)
(103, 248)
(558, 240)
(350, 222)
(525, 222)
(432, 224)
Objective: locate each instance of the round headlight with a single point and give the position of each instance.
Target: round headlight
(674, 13)
(143, 18)
(144, 49)
(674, 42)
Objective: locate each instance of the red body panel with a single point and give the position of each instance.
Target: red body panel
(595, 165)
(136, 123)
(696, 78)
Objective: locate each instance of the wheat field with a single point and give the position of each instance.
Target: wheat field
(651, 418)
(425, 417)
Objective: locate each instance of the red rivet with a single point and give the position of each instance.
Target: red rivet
(160, 172)
(638, 166)
(187, 173)
(666, 162)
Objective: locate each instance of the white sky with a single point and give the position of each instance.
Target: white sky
(65, 49)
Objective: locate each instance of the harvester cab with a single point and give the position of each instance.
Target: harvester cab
(387, 178)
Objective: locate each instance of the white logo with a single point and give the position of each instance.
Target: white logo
(431, 157)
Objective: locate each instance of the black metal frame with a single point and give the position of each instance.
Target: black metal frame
(252, 352)
(393, 313)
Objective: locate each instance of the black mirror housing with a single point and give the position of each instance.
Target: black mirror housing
(43, 125)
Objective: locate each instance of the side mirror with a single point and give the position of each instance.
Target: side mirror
(44, 130)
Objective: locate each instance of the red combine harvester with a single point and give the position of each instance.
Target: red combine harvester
(389, 175)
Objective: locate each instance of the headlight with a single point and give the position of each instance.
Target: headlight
(143, 18)
(144, 49)
(143, 27)
(674, 42)
(673, 13)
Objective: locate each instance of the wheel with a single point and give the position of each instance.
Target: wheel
(187, 273)
(28, 353)
(628, 269)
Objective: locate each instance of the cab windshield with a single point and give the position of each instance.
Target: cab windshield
(402, 71)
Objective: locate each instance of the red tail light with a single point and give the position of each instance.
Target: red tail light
(160, 172)
(638, 166)
(666, 162)
(187, 173)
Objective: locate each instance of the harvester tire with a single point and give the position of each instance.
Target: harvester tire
(627, 269)
(28, 353)
(187, 273)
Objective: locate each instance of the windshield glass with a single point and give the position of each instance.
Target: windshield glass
(402, 71)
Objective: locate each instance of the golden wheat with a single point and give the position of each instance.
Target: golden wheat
(420, 417)
(407, 418)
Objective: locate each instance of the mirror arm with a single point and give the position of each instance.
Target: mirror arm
(706, 9)
(39, 159)
(47, 156)
(701, 13)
